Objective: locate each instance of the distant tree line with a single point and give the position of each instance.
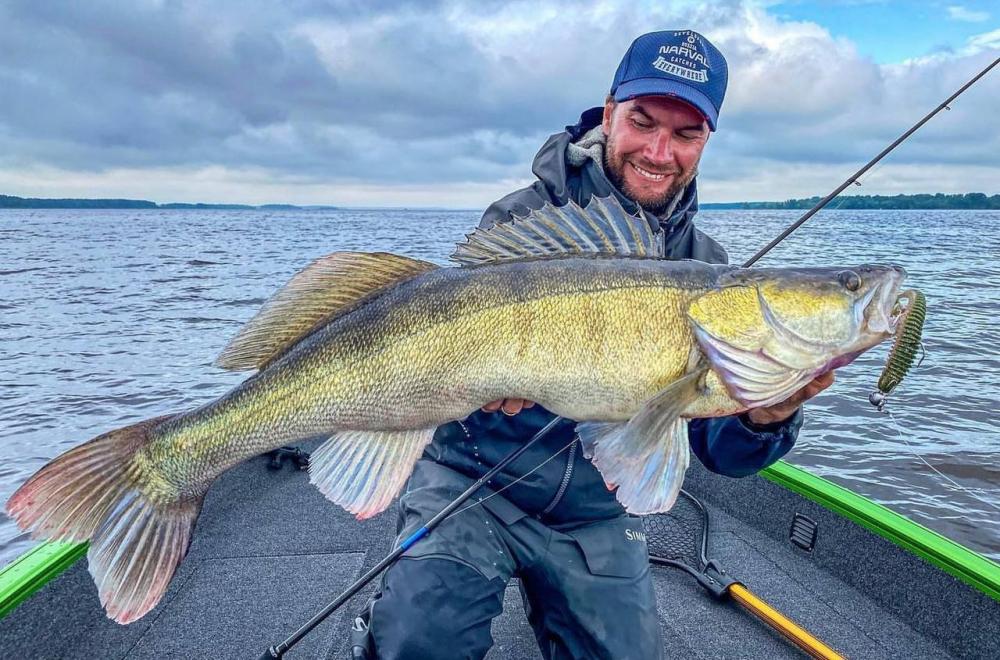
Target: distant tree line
(11, 202)
(978, 201)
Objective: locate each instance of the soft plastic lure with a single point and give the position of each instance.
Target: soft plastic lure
(904, 349)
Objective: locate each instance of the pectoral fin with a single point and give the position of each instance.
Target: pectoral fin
(645, 458)
(327, 288)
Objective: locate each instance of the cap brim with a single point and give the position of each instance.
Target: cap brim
(663, 87)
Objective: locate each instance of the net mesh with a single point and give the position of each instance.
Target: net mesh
(676, 534)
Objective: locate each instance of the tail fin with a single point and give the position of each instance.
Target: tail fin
(95, 492)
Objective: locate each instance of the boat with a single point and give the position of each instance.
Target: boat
(269, 552)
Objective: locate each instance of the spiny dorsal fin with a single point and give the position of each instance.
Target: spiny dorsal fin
(603, 227)
(326, 288)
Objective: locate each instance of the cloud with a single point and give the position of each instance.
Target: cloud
(367, 103)
(985, 41)
(251, 185)
(960, 13)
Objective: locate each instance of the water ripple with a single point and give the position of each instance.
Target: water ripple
(110, 317)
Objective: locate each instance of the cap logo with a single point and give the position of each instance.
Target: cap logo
(682, 61)
(678, 63)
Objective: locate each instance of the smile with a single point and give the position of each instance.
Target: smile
(652, 176)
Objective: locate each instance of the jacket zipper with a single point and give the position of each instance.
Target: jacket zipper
(567, 475)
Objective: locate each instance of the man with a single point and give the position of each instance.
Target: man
(584, 579)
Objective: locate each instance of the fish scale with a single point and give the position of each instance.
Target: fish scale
(569, 307)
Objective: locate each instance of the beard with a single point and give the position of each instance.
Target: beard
(614, 169)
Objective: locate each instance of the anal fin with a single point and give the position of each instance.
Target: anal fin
(363, 471)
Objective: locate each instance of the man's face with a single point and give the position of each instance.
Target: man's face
(654, 145)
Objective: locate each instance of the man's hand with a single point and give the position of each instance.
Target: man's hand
(779, 412)
(508, 406)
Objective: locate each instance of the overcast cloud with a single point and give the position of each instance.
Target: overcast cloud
(444, 104)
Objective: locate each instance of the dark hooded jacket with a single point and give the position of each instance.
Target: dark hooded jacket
(568, 488)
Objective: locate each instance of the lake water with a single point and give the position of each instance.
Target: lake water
(110, 317)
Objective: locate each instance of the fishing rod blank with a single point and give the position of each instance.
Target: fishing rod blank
(280, 650)
(854, 177)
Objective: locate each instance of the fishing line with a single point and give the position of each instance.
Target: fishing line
(856, 179)
(967, 491)
(279, 650)
(523, 476)
(857, 175)
(860, 183)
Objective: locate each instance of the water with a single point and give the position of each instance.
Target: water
(110, 317)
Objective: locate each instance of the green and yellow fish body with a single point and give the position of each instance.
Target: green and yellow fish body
(567, 307)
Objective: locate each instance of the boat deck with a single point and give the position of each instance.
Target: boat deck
(270, 551)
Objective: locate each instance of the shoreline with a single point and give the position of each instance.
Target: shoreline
(917, 202)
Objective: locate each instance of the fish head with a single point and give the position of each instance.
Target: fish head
(769, 331)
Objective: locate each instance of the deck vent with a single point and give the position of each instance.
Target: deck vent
(803, 532)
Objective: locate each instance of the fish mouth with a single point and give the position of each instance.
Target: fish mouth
(884, 306)
(901, 309)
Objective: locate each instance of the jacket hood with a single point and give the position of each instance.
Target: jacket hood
(552, 165)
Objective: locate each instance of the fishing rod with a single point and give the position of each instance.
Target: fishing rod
(282, 648)
(901, 357)
(854, 177)
(279, 650)
(896, 367)
(907, 341)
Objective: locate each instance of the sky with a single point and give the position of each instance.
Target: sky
(444, 104)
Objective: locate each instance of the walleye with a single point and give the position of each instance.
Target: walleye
(568, 307)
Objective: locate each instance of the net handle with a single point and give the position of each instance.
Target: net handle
(788, 628)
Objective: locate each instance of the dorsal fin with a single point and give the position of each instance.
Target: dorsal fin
(603, 227)
(326, 288)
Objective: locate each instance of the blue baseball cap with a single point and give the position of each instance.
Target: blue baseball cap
(678, 63)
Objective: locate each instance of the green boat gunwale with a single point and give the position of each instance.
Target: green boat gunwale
(33, 569)
(36, 567)
(955, 559)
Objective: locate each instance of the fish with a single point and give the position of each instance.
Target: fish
(571, 307)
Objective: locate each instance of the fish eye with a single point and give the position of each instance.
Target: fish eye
(849, 279)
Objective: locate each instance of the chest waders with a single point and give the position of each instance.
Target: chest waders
(376, 570)
(737, 591)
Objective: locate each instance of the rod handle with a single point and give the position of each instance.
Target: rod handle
(788, 628)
